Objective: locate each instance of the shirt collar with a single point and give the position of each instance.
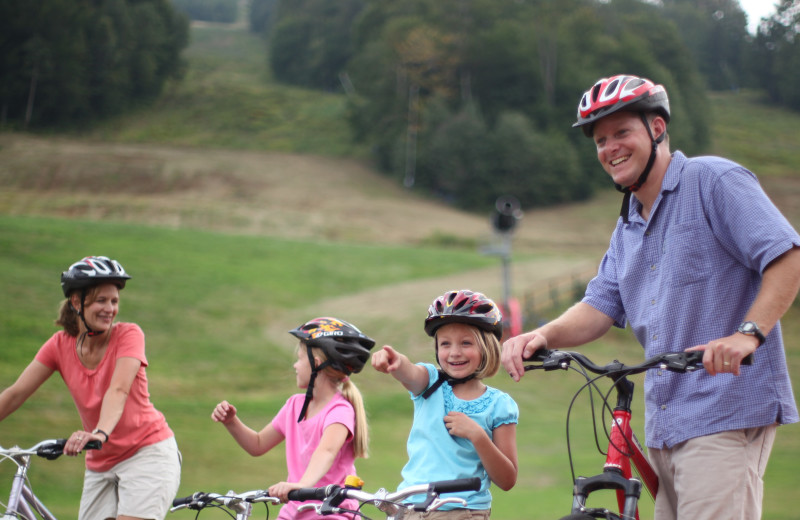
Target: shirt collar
(671, 179)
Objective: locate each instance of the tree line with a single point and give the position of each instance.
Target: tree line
(465, 99)
(69, 62)
(472, 99)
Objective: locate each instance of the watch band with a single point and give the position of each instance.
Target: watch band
(750, 328)
(101, 432)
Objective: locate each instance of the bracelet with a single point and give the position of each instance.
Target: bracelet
(98, 430)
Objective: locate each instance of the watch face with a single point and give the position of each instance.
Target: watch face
(748, 327)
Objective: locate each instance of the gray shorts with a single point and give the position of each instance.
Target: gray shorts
(452, 514)
(142, 486)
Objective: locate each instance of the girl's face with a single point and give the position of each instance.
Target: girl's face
(302, 368)
(101, 308)
(459, 352)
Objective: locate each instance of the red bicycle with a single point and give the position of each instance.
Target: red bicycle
(623, 447)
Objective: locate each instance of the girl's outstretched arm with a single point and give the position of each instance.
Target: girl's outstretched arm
(389, 361)
(254, 443)
(333, 438)
(498, 453)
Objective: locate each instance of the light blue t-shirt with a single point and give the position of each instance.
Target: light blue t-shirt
(434, 454)
(687, 276)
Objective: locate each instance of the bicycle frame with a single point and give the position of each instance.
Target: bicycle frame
(21, 501)
(623, 449)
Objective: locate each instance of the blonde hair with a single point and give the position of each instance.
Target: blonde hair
(490, 351)
(350, 392)
(68, 314)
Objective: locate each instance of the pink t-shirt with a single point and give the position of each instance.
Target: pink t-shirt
(140, 425)
(303, 438)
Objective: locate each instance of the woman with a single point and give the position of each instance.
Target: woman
(136, 473)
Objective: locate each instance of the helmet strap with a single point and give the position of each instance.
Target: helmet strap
(444, 378)
(310, 388)
(89, 331)
(626, 198)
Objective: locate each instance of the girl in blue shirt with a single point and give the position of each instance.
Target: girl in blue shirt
(462, 428)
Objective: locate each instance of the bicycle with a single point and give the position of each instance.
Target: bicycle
(623, 447)
(389, 503)
(241, 504)
(22, 502)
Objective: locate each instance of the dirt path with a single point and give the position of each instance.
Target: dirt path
(388, 310)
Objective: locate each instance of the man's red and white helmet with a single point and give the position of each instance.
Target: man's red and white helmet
(621, 92)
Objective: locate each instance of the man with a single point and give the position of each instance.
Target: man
(699, 260)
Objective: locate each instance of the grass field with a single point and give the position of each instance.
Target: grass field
(233, 238)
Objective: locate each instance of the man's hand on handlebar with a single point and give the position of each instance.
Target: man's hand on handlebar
(519, 348)
(725, 355)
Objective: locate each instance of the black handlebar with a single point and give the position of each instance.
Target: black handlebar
(182, 501)
(453, 486)
(320, 493)
(55, 449)
(672, 361)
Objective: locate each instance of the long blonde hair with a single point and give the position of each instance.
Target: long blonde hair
(350, 391)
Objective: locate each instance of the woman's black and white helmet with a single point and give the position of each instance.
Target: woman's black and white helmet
(91, 271)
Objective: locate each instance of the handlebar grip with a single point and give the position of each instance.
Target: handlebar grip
(320, 493)
(182, 501)
(539, 355)
(93, 445)
(452, 486)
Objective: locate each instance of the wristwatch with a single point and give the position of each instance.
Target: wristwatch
(750, 328)
(101, 432)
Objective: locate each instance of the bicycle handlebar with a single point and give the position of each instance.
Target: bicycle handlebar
(673, 361)
(333, 495)
(200, 500)
(49, 449)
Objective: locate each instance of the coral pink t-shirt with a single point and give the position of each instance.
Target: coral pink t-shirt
(140, 424)
(303, 438)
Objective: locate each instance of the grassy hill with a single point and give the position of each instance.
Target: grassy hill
(242, 210)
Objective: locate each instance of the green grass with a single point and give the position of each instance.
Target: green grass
(204, 301)
(228, 100)
(760, 136)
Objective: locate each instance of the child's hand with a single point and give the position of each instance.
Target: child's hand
(461, 425)
(224, 412)
(281, 490)
(386, 360)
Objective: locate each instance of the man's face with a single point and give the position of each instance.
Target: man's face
(623, 146)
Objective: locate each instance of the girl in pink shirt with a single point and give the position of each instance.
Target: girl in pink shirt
(325, 429)
(136, 473)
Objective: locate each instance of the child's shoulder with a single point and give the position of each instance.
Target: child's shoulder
(498, 394)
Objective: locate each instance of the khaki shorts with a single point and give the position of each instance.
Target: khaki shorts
(142, 486)
(713, 477)
(452, 514)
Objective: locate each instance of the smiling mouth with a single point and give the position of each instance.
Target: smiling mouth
(620, 160)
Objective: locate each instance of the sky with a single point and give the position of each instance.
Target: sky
(756, 10)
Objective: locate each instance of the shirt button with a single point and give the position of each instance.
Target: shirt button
(653, 267)
(652, 302)
(663, 407)
(655, 336)
(660, 372)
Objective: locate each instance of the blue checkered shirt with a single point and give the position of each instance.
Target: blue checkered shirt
(687, 276)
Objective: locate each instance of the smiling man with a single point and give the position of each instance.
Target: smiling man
(700, 259)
